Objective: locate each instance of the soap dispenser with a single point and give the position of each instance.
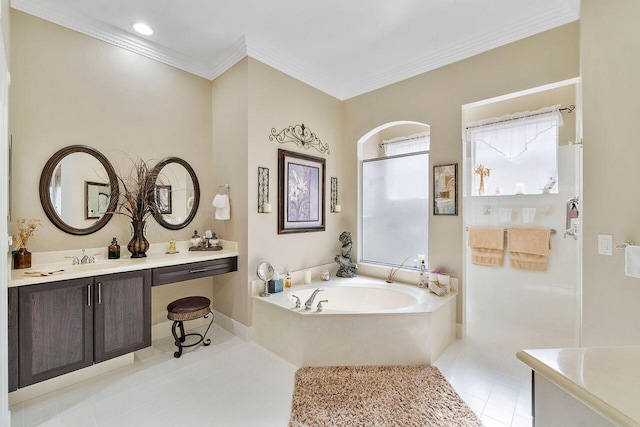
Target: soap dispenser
(424, 277)
(287, 280)
(114, 249)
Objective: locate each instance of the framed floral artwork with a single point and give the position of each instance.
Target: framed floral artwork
(445, 189)
(301, 183)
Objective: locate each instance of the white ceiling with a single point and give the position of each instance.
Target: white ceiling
(342, 47)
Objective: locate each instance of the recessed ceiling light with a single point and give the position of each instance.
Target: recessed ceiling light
(142, 28)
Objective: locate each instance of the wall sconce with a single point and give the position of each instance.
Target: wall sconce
(335, 207)
(263, 191)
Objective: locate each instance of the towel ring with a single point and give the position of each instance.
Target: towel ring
(224, 188)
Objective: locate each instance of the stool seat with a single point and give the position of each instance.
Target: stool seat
(188, 308)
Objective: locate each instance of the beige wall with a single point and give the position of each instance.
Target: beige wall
(245, 109)
(281, 103)
(230, 100)
(436, 98)
(67, 88)
(610, 64)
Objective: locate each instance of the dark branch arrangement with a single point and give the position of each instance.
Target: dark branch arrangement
(137, 198)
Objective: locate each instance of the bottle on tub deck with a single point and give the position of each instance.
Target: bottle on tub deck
(424, 276)
(287, 280)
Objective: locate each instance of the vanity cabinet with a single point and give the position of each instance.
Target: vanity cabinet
(122, 314)
(69, 325)
(55, 329)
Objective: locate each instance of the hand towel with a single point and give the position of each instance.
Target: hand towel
(632, 261)
(223, 208)
(487, 246)
(528, 248)
(505, 214)
(528, 215)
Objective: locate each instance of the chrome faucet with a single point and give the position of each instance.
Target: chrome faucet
(309, 303)
(85, 258)
(76, 260)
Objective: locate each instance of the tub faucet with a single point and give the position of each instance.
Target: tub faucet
(309, 303)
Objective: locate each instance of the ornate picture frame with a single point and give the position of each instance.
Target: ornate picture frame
(163, 199)
(445, 189)
(301, 188)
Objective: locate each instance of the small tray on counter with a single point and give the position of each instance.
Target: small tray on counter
(210, 248)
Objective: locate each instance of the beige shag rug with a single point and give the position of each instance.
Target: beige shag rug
(353, 396)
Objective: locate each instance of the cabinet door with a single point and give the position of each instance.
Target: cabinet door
(56, 329)
(13, 338)
(122, 313)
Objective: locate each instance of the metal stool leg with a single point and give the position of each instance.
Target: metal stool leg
(182, 335)
(178, 340)
(208, 340)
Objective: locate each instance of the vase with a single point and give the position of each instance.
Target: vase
(21, 259)
(138, 246)
(481, 188)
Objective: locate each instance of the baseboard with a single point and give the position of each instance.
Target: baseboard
(232, 326)
(163, 330)
(66, 380)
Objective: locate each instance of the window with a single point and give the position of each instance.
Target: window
(395, 208)
(516, 154)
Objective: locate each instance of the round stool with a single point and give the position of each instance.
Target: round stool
(188, 308)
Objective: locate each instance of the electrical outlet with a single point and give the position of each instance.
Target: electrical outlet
(605, 244)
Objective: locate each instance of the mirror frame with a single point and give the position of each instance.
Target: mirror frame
(155, 173)
(45, 181)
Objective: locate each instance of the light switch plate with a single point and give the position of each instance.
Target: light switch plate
(605, 244)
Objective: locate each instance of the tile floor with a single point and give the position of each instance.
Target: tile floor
(233, 383)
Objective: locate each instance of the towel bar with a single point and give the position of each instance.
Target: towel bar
(553, 232)
(623, 246)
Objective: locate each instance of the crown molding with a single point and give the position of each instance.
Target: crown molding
(110, 34)
(293, 68)
(568, 12)
(453, 53)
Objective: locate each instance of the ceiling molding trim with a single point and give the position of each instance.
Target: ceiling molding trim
(455, 53)
(294, 69)
(109, 34)
(234, 54)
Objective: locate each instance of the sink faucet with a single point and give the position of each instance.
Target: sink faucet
(309, 303)
(85, 258)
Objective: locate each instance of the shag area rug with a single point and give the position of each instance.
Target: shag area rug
(353, 396)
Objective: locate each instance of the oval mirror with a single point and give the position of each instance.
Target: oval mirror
(177, 193)
(78, 189)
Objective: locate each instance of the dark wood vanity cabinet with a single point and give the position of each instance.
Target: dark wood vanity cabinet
(55, 329)
(68, 325)
(58, 327)
(122, 314)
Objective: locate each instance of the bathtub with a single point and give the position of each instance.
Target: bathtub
(365, 322)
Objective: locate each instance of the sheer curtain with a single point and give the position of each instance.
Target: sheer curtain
(510, 135)
(407, 144)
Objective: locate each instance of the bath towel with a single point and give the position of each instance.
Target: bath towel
(632, 261)
(487, 246)
(528, 248)
(223, 208)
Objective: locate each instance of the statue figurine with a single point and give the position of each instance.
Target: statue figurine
(347, 267)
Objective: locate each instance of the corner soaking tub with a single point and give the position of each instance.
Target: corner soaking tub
(365, 322)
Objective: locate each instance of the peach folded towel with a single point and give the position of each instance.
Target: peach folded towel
(529, 248)
(487, 246)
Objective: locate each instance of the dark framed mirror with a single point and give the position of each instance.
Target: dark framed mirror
(67, 185)
(177, 193)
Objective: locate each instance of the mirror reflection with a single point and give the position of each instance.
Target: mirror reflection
(75, 189)
(176, 193)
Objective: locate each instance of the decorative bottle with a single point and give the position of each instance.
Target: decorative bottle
(287, 280)
(114, 249)
(424, 277)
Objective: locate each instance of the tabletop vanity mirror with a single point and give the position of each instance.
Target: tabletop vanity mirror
(177, 193)
(78, 189)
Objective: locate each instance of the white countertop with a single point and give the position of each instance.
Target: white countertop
(155, 258)
(605, 379)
